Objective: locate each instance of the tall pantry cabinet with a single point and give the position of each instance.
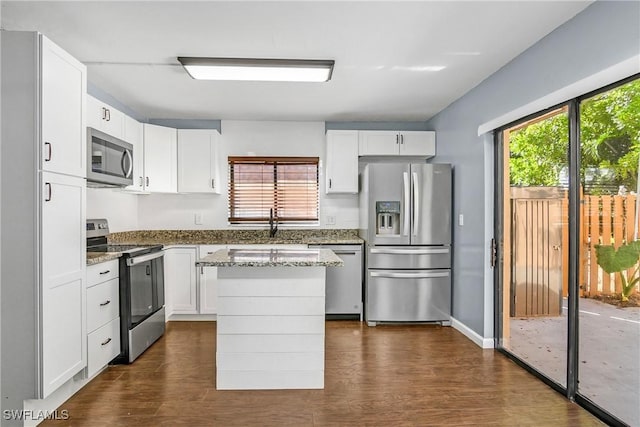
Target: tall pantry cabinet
(43, 191)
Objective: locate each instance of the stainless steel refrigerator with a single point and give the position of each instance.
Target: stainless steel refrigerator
(405, 217)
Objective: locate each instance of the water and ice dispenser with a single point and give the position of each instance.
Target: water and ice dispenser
(388, 217)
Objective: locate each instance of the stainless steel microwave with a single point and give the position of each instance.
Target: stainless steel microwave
(109, 160)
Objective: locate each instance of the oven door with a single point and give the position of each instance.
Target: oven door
(109, 160)
(146, 286)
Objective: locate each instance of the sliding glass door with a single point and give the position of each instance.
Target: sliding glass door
(535, 230)
(567, 223)
(609, 306)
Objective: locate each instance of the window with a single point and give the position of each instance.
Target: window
(288, 185)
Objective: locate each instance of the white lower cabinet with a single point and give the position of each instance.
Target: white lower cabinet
(103, 346)
(180, 280)
(208, 281)
(191, 293)
(103, 321)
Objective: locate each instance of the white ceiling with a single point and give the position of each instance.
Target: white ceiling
(380, 49)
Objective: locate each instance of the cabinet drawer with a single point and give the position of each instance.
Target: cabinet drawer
(102, 272)
(103, 346)
(102, 304)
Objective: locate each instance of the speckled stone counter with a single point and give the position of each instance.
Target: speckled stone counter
(98, 257)
(271, 258)
(241, 236)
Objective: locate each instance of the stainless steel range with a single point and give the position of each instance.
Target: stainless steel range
(142, 313)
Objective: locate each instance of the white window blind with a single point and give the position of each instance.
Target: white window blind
(288, 185)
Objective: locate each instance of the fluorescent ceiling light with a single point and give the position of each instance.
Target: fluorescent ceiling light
(271, 70)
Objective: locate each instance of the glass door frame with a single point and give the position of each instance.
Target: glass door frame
(571, 390)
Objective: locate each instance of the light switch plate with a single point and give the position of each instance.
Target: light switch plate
(461, 220)
(197, 218)
(331, 220)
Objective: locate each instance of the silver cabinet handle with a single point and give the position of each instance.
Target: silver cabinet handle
(401, 139)
(416, 203)
(410, 275)
(127, 171)
(104, 113)
(108, 115)
(329, 182)
(405, 181)
(343, 253)
(141, 182)
(105, 272)
(106, 342)
(48, 158)
(48, 198)
(147, 180)
(144, 258)
(213, 183)
(426, 251)
(107, 302)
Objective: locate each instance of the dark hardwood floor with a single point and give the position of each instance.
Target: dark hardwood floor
(383, 376)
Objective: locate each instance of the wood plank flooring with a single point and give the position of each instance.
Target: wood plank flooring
(388, 375)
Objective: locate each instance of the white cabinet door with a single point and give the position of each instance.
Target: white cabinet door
(208, 282)
(418, 143)
(342, 161)
(160, 159)
(197, 161)
(63, 117)
(378, 143)
(134, 134)
(180, 280)
(63, 259)
(105, 118)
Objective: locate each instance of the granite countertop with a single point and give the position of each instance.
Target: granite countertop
(244, 236)
(271, 258)
(98, 257)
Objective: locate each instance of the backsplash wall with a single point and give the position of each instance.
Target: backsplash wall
(260, 138)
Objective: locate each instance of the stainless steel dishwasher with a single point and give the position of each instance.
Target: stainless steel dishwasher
(344, 284)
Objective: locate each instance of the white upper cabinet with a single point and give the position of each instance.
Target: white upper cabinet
(397, 143)
(134, 135)
(105, 118)
(160, 159)
(198, 161)
(378, 143)
(63, 105)
(342, 161)
(418, 143)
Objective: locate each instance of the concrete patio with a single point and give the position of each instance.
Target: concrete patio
(609, 353)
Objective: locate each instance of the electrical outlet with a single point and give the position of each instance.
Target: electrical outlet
(197, 218)
(331, 220)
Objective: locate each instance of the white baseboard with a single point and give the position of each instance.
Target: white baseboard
(479, 340)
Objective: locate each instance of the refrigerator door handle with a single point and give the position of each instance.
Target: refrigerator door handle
(410, 251)
(405, 181)
(400, 275)
(416, 204)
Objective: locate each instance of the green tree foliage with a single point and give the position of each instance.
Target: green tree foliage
(610, 143)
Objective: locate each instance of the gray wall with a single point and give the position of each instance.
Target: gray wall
(602, 35)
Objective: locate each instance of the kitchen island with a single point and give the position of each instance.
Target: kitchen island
(270, 325)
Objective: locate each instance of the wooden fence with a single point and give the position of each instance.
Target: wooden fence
(606, 220)
(540, 245)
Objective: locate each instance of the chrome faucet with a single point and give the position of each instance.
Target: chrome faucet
(272, 230)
